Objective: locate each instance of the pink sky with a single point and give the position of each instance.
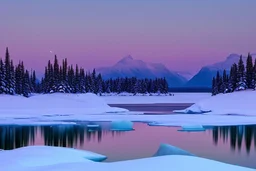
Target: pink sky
(183, 35)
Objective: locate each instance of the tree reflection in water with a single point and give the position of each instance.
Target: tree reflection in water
(16, 136)
(76, 135)
(57, 135)
(236, 136)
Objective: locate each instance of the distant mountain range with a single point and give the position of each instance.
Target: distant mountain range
(129, 67)
(204, 77)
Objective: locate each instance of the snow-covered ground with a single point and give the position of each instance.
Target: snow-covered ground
(177, 98)
(33, 156)
(237, 103)
(70, 108)
(64, 159)
(53, 104)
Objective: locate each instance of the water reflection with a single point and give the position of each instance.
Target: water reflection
(236, 136)
(16, 136)
(59, 135)
(74, 135)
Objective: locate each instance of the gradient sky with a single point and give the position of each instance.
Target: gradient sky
(182, 34)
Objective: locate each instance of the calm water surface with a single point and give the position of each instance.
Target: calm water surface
(235, 144)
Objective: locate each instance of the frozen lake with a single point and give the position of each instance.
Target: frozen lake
(230, 144)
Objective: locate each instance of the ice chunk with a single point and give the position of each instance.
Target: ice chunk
(47, 155)
(194, 109)
(121, 126)
(167, 149)
(93, 126)
(192, 128)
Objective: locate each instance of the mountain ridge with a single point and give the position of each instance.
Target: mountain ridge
(204, 77)
(130, 67)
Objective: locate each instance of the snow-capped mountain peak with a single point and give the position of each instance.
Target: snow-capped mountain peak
(130, 67)
(233, 57)
(126, 59)
(204, 77)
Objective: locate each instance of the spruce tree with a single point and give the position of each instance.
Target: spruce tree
(100, 84)
(76, 80)
(7, 69)
(234, 77)
(26, 90)
(18, 79)
(254, 75)
(33, 81)
(241, 75)
(249, 71)
(56, 74)
(213, 86)
(218, 82)
(12, 78)
(2, 78)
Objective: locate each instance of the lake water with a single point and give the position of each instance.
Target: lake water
(235, 144)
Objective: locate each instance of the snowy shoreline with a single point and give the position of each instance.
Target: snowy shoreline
(41, 158)
(72, 108)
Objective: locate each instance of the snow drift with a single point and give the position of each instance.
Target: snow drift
(162, 163)
(35, 156)
(237, 103)
(54, 104)
(166, 149)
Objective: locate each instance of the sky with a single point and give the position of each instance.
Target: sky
(182, 34)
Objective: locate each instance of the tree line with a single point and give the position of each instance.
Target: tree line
(64, 78)
(69, 79)
(240, 77)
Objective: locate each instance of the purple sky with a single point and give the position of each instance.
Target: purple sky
(183, 35)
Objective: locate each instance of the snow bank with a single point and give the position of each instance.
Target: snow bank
(237, 103)
(54, 104)
(33, 156)
(166, 149)
(177, 98)
(162, 163)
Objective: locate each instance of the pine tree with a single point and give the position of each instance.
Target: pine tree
(2, 78)
(18, 79)
(100, 84)
(56, 74)
(12, 79)
(218, 82)
(254, 75)
(241, 75)
(213, 86)
(233, 77)
(26, 91)
(76, 80)
(93, 82)
(33, 82)
(225, 82)
(82, 81)
(7, 72)
(249, 71)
